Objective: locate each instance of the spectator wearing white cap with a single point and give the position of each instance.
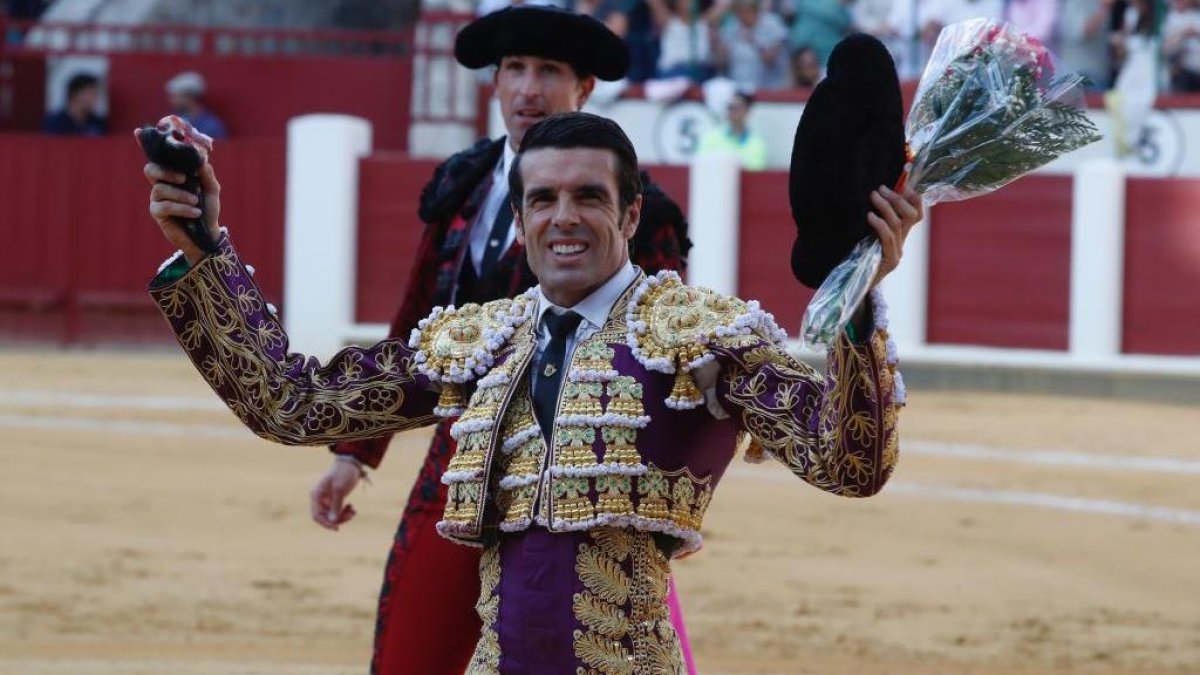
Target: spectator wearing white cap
(185, 92)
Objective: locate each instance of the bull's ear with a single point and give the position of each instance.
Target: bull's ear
(849, 141)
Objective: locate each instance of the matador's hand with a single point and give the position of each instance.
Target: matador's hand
(327, 500)
(895, 214)
(170, 205)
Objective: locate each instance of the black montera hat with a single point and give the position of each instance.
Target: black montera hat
(550, 33)
(850, 140)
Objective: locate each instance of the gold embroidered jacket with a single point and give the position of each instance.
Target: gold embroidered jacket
(634, 442)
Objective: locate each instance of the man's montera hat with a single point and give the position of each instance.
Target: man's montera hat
(850, 141)
(546, 32)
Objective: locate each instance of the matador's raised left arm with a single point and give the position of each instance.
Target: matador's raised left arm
(837, 431)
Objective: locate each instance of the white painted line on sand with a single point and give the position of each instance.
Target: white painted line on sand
(1166, 465)
(1045, 500)
(1009, 497)
(136, 428)
(1051, 457)
(920, 490)
(73, 399)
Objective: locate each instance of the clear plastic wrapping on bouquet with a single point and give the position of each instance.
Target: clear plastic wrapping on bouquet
(989, 109)
(829, 312)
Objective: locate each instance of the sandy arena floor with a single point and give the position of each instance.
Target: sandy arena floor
(143, 532)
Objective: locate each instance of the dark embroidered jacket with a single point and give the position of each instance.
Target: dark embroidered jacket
(633, 444)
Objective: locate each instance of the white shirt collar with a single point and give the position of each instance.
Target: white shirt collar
(506, 161)
(596, 307)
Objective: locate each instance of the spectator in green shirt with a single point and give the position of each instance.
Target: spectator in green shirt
(821, 24)
(735, 137)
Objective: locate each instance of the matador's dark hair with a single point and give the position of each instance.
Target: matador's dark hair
(580, 130)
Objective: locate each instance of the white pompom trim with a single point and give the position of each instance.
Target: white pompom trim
(683, 404)
(462, 476)
(467, 426)
(589, 375)
(692, 540)
(482, 358)
(513, 482)
(605, 420)
(597, 470)
(456, 532)
(520, 438)
(879, 308)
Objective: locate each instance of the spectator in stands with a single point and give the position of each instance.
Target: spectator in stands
(753, 48)
(1083, 40)
(24, 10)
(78, 117)
(784, 9)
(685, 39)
(934, 15)
(1037, 18)
(1181, 45)
(820, 24)
(735, 137)
(902, 35)
(611, 13)
(806, 68)
(489, 6)
(872, 16)
(641, 37)
(185, 93)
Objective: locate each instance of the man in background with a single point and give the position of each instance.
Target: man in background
(806, 68)
(185, 93)
(736, 137)
(753, 48)
(78, 117)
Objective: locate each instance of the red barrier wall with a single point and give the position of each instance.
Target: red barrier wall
(999, 267)
(1162, 266)
(256, 96)
(79, 246)
(388, 231)
(765, 253)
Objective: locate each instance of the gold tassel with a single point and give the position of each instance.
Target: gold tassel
(451, 397)
(685, 391)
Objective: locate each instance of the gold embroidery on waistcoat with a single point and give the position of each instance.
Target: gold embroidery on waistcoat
(623, 611)
(593, 357)
(624, 399)
(571, 501)
(573, 447)
(614, 490)
(462, 502)
(486, 659)
(652, 493)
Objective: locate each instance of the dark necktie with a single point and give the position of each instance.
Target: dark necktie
(496, 240)
(548, 376)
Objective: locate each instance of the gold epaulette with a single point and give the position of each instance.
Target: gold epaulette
(455, 345)
(672, 325)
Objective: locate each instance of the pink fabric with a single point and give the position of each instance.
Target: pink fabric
(680, 629)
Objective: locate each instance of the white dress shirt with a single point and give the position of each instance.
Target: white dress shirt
(595, 309)
(497, 198)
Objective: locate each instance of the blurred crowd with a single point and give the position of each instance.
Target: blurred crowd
(80, 114)
(780, 44)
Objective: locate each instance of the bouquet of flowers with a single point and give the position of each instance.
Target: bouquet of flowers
(989, 109)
